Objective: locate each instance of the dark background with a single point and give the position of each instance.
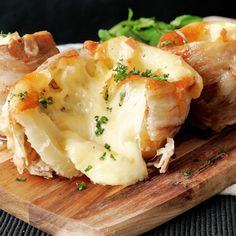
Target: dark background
(78, 20)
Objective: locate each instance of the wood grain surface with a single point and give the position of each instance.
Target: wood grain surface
(203, 166)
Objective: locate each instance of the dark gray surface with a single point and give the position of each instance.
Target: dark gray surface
(215, 217)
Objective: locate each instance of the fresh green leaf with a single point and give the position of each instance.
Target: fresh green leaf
(130, 14)
(183, 20)
(104, 35)
(147, 30)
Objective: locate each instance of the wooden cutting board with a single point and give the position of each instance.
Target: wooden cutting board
(202, 168)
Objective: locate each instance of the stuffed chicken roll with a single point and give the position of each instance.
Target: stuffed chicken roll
(102, 111)
(210, 48)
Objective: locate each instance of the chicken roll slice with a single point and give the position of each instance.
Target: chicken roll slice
(102, 111)
(210, 48)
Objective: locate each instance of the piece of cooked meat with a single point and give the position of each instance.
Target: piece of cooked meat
(102, 111)
(210, 48)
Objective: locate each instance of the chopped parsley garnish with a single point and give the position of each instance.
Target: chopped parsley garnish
(123, 73)
(112, 157)
(81, 186)
(109, 109)
(106, 94)
(88, 168)
(21, 179)
(187, 173)
(21, 95)
(103, 156)
(167, 43)
(46, 101)
(107, 146)
(122, 98)
(100, 121)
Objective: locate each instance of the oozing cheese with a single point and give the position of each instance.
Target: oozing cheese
(72, 132)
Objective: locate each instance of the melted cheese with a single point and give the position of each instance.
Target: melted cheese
(72, 132)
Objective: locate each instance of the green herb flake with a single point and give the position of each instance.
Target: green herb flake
(46, 101)
(21, 179)
(187, 173)
(123, 73)
(81, 186)
(112, 157)
(109, 109)
(21, 95)
(88, 168)
(106, 94)
(122, 98)
(100, 121)
(107, 146)
(103, 156)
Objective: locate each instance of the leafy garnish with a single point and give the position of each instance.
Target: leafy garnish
(21, 179)
(99, 124)
(81, 186)
(88, 168)
(46, 101)
(183, 20)
(123, 73)
(147, 30)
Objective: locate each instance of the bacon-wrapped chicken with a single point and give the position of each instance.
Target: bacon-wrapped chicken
(101, 111)
(210, 48)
